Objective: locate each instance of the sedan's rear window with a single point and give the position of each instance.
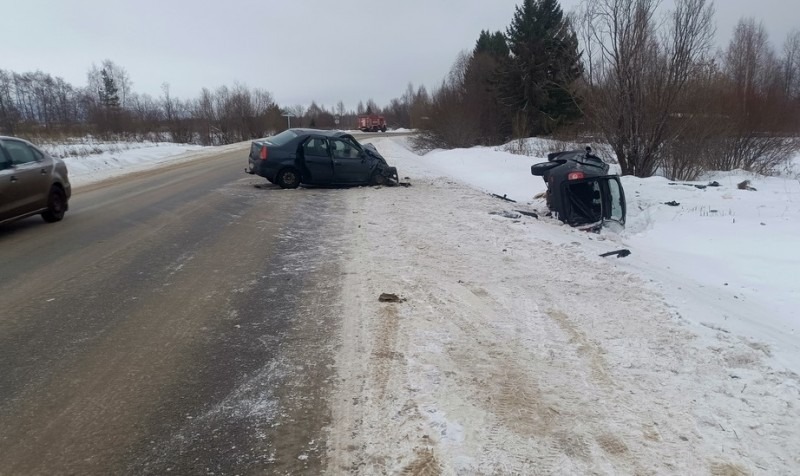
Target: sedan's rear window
(282, 139)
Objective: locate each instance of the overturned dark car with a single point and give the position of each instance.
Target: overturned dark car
(318, 157)
(580, 192)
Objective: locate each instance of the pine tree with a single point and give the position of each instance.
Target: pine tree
(109, 96)
(535, 82)
(493, 44)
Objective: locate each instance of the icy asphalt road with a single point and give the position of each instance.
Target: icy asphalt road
(176, 320)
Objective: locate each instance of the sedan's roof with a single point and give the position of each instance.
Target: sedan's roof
(321, 132)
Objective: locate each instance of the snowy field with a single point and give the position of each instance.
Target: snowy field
(517, 350)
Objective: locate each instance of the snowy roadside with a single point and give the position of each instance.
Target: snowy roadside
(725, 258)
(518, 351)
(96, 162)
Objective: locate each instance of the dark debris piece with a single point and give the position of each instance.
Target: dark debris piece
(672, 203)
(528, 214)
(389, 297)
(618, 253)
(503, 197)
(504, 214)
(746, 186)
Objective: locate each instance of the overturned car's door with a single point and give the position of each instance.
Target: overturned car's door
(593, 200)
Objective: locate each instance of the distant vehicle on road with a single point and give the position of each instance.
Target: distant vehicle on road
(580, 191)
(31, 182)
(371, 123)
(318, 157)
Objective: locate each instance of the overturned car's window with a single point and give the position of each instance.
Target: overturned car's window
(282, 139)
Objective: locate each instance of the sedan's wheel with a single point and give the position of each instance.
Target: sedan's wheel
(56, 205)
(288, 178)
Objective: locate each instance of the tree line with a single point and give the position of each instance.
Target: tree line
(648, 82)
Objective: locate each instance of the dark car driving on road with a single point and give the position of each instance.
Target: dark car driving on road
(31, 182)
(318, 157)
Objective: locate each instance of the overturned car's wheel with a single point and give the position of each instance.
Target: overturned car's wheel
(288, 178)
(56, 205)
(540, 168)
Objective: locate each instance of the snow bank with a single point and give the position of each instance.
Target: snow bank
(91, 161)
(518, 350)
(725, 258)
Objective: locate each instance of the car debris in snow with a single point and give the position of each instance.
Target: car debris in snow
(503, 197)
(506, 214)
(746, 186)
(672, 203)
(618, 253)
(528, 214)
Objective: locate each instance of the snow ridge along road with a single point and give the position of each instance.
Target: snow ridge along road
(516, 352)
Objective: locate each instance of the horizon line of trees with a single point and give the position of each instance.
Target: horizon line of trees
(649, 83)
(36, 104)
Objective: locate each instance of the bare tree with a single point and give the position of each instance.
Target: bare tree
(791, 65)
(757, 107)
(642, 70)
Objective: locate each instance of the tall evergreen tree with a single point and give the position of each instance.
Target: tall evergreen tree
(493, 44)
(536, 81)
(109, 95)
(480, 87)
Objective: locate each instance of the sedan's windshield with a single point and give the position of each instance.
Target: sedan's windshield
(282, 139)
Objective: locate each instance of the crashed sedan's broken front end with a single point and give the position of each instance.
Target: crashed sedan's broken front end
(580, 192)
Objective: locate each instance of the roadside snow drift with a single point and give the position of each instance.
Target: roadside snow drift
(517, 350)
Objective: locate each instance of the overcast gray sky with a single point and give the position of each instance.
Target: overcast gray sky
(299, 50)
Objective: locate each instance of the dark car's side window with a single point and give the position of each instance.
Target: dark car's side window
(316, 147)
(343, 150)
(19, 152)
(5, 159)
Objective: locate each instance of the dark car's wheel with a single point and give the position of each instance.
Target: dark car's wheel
(56, 205)
(288, 178)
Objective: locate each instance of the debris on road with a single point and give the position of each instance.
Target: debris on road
(389, 297)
